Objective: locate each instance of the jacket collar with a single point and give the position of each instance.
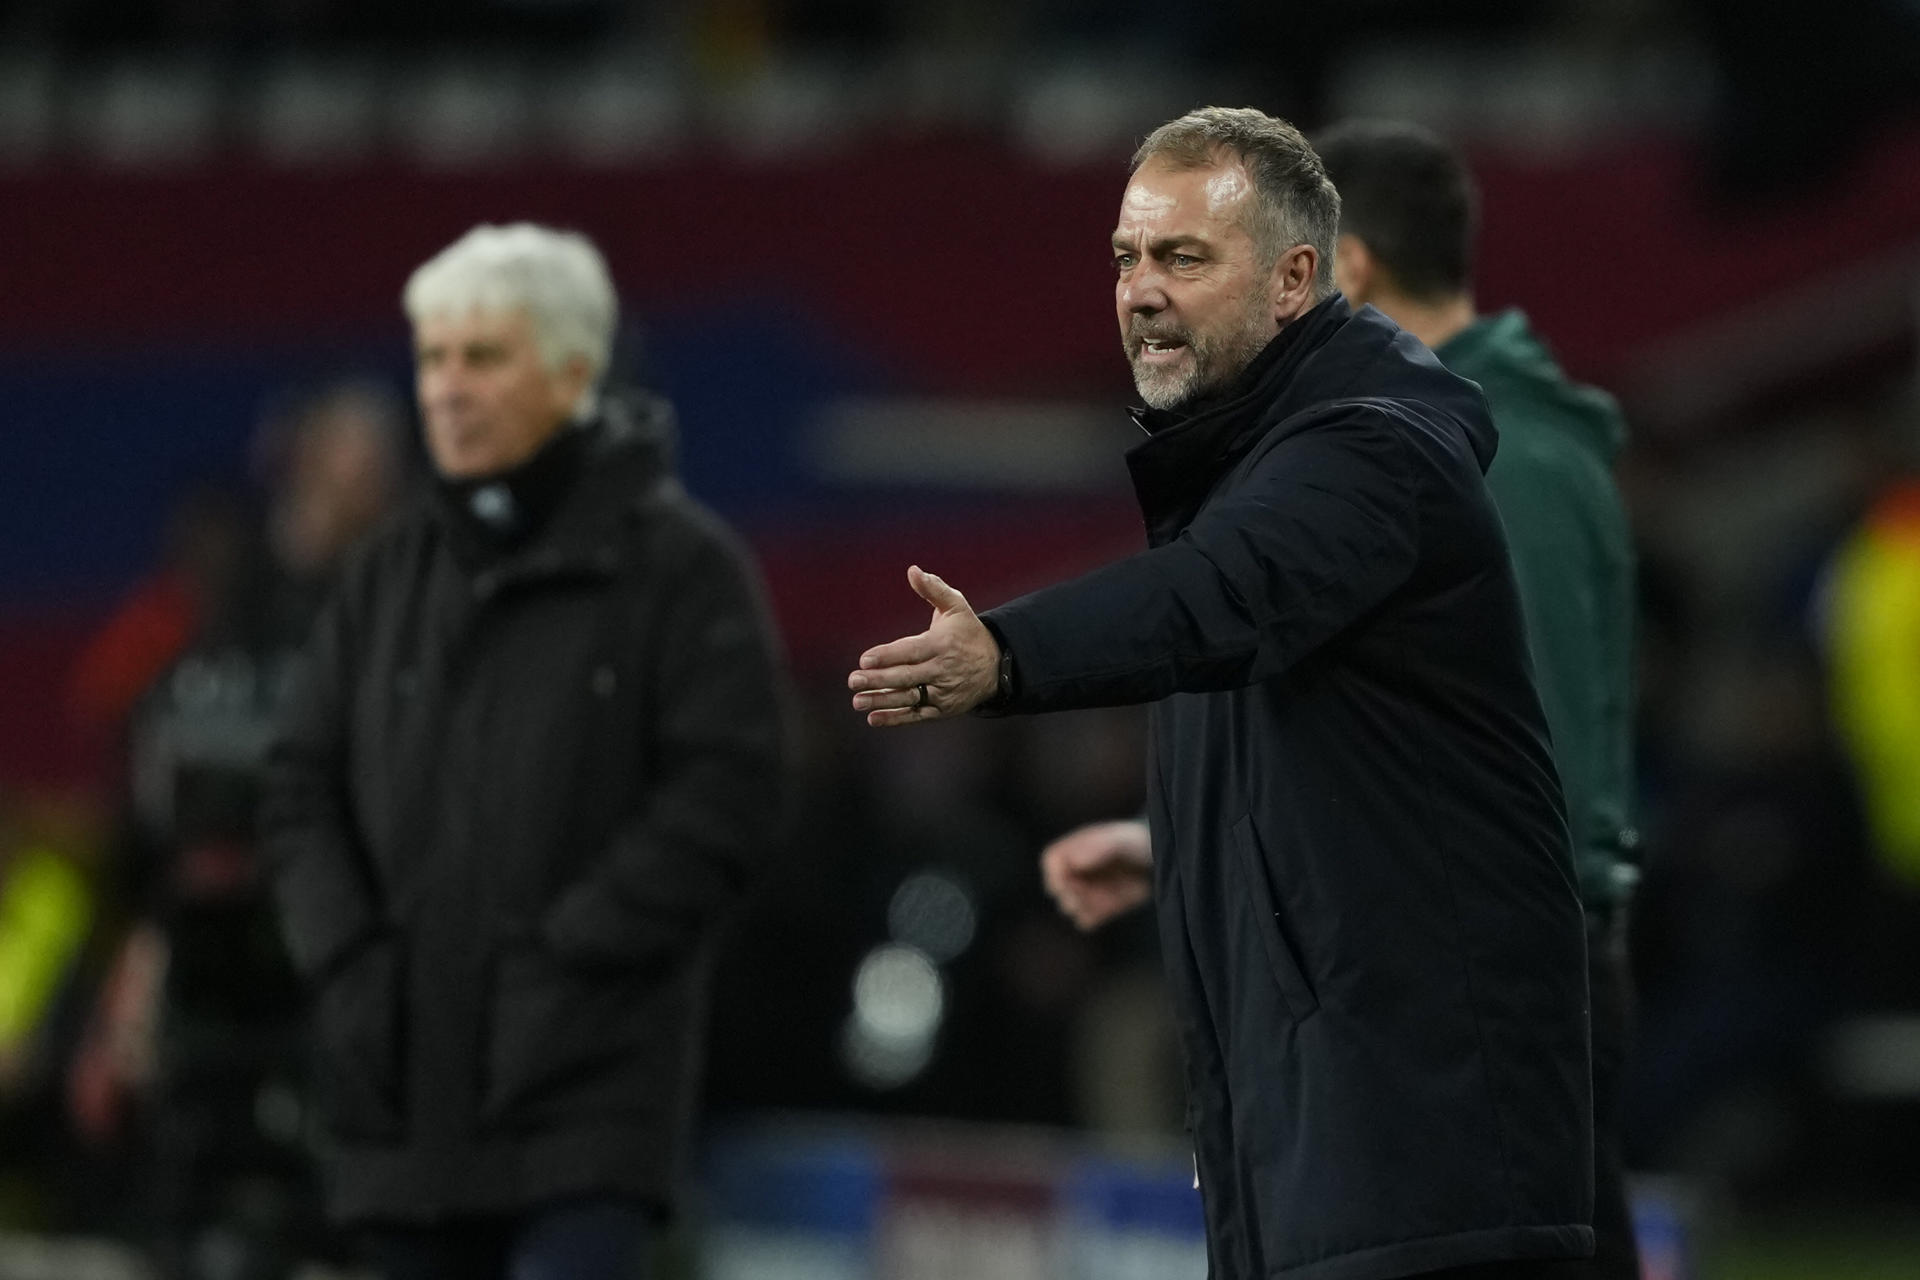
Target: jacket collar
(1188, 450)
(489, 517)
(625, 462)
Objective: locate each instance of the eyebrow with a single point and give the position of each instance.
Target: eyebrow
(1165, 244)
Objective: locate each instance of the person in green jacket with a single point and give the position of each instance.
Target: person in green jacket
(1406, 247)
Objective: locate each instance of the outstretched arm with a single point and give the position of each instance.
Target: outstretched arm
(1322, 530)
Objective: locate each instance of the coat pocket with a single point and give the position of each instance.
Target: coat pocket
(1288, 974)
(563, 1041)
(359, 1045)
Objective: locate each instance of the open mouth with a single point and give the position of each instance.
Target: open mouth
(1160, 350)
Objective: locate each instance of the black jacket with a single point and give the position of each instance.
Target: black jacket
(1361, 862)
(503, 817)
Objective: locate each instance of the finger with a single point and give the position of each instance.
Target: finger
(1062, 873)
(886, 678)
(1085, 856)
(1071, 904)
(1096, 910)
(890, 698)
(1053, 874)
(901, 717)
(934, 590)
(908, 649)
(1073, 851)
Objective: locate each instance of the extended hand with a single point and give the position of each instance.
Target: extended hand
(947, 670)
(1098, 872)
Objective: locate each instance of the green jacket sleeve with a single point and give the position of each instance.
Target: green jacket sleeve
(1567, 534)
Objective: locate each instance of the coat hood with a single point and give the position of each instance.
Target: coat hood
(639, 429)
(1504, 355)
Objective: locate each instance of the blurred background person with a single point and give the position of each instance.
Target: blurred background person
(49, 907)
(191, 1065)
(1408, 223)
(1868, 620)
(532, 758)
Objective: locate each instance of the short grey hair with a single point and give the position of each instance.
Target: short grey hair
(558, 278)
(1294, 200)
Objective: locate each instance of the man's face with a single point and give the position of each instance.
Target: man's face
(1195, 302)
(340, 476)
(488, 400)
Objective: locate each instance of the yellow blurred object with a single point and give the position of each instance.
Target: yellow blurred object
(1874, 641)
(46, 910)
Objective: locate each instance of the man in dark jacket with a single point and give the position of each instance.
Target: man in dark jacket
(532, 758)
(1406, 247)
(1361, 863)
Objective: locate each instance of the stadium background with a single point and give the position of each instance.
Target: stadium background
(861, 247)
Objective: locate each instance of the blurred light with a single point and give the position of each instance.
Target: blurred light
(1084, 109)
(899, 1000)
(466, 112)
(1547, 98)
(613, 112)
(791, 106)
(311, 112)
(881, 1064)
(934, 912)
(964, 444)
(151, 113)
(26, 106)
(1876, 1057)
(897, 993)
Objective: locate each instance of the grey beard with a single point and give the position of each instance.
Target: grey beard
(1213, 364)
(1166, 389)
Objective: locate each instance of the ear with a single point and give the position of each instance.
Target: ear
(573, 377)
(1353, 268)
(1292, 282)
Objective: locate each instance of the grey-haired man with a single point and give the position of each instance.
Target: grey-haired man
(533, 758)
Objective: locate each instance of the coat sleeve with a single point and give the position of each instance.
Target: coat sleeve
(313, 853)
(716, 709)
(1322, 529)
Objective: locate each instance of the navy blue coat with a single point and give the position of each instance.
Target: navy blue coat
(1361, 862)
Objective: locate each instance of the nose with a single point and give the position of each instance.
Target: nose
(443, 385)
(1142, 290)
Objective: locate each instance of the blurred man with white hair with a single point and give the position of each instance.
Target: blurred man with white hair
(533, 754)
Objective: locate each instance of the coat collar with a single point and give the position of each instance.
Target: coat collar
(1187, 452)
(626, 462)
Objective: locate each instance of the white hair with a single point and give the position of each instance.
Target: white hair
(557, 278)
